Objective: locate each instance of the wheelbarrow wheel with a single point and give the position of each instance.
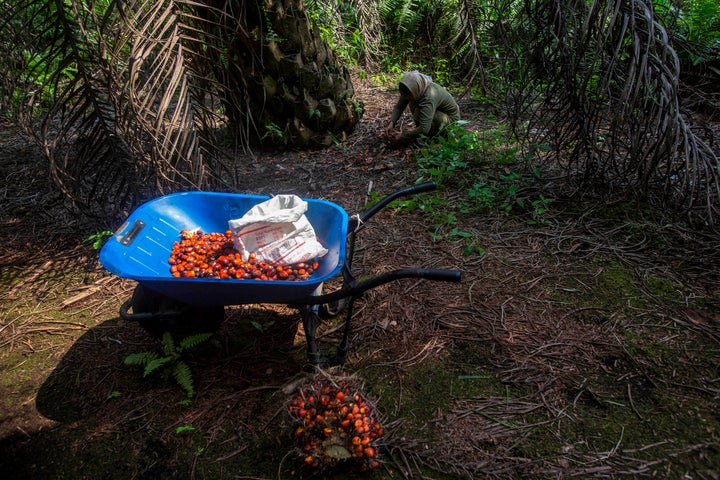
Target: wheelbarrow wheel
(158, 314)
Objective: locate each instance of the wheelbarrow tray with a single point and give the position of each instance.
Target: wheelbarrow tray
(139, 250)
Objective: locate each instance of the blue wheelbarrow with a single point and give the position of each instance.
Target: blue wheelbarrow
(140, 248)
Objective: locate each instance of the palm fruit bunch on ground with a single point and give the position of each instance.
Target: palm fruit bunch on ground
(335, 425)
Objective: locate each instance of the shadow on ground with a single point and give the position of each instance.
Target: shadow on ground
(112, 423)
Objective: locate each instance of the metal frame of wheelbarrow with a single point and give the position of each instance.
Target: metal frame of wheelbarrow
(152, 310)
(344, 298)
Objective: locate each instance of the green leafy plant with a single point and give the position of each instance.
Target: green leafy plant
(504, 192)
(442, 70)
(483, 196)
(389, 76)
(114, 394)
(271, 35)
(471, 242)
(272, 131)
(540, 207)
(695, 24)
(262, 327)
(453, 150)
(98, 239)
(485, 165)
(184, 429)
(170, 360)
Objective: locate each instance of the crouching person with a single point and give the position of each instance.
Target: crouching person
(432, 107)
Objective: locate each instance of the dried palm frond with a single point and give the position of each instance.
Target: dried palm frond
(465, 32)
(354, 28)
(613, 111)
(132, 99)
(126, 98)
(371, 29)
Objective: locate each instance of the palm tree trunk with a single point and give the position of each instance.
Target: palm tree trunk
(300, 95)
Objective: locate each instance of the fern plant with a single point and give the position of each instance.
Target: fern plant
(170, 360)
(694, 26)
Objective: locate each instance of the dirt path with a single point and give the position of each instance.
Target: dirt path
(586, 347)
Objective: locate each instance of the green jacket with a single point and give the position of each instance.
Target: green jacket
(431, 105)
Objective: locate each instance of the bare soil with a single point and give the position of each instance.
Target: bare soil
(585, 347)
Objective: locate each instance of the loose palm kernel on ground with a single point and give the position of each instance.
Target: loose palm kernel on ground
(213, 255)
(336, 426)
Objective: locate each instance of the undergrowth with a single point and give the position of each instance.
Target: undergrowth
(477, 173)
(170, 360)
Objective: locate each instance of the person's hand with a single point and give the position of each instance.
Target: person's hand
(394, 138)
(389, 133)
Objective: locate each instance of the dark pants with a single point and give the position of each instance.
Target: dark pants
(439, 120)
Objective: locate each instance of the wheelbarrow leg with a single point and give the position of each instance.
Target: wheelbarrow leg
(344, 347)
(311, 321)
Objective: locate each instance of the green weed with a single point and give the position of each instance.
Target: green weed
(98, 239)
(485, 168)
(262, 327)
(274, 132)
(184, 429)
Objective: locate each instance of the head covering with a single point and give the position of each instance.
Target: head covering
(416, 83)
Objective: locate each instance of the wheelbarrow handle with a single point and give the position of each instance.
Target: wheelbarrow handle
(415, 189)
(361, 287)
(438, 275)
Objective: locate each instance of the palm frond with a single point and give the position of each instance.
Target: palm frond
(403, 18)
(464, 31)
(612, 102)
(127, 100)
(371, 27)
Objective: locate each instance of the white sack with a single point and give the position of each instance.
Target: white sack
(277, 231)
